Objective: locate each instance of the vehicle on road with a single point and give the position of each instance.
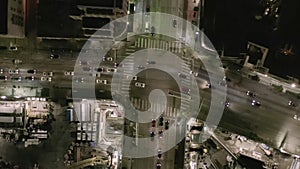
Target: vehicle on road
(87, 68)
(140, 67)
(153, 123)
(99, 69)
(186, 90)
(29, 78)
(1, 71)
(292, 103)
(13, 48)
(181, 75)
(31, 71)
(83, 62)
(49, 79)
(139, 84)
(161, 121)
(159, 154)
(79, 79)
(251, 94)
(160, 133)
(69, 73)
(255, 103)
(16, 61)
(102, 81)
(17, 78)
(167, 123)
(54, 56)
(107, 59)
(158, 165)
(227, 103)
(151, 62)
(11, 71)
(3, 78)
(152, 135)
(111, 70)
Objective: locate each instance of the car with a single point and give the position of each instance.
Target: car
(49, 79)
(54, 56)
(43, 78)
(255, 103)
(194, 73)
(17, 78)
(87, 68)
(107, 59)
(159, 154)
(83, 62)
(79, 79)
(31, 71)
(117, 65)
(1, 71)
(101, 81)
(134, 78)
(152, 135)
(208, 85)
(296, 117)
(151, 62)
(13, 48)
(160, 133)
(95, 74)
(29, 78)
(3, 78)
(111, 70)
(227, 104)
(167, 123)
(292, 103)
(16, 61)
(153, 123)
(99, 69)
(186, 91)
(158, 165)
(140, 67)
(181, 75)
(69, 73)
(251, 94)
(161, 120)
(139, 84)
(11, 71)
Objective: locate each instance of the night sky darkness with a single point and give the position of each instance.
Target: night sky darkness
(232, 23)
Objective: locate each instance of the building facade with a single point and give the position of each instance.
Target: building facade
(12, 18)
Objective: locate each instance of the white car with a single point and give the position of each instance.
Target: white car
(16, 71)
(111, 70)
(69, 73)
(107, 58)
(49, 79)
(43, 78)
(48, 74)
(139, 84)
(101, 81)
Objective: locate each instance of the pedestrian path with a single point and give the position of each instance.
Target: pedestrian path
(149, 42)
(143, 105)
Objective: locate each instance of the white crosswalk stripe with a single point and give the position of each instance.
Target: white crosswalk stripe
(146, 42)
(157, 108)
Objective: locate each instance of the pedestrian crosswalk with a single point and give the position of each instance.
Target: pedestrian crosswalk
(146, 42)
(143, 105)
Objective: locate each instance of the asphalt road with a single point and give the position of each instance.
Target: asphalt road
(271, 121)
